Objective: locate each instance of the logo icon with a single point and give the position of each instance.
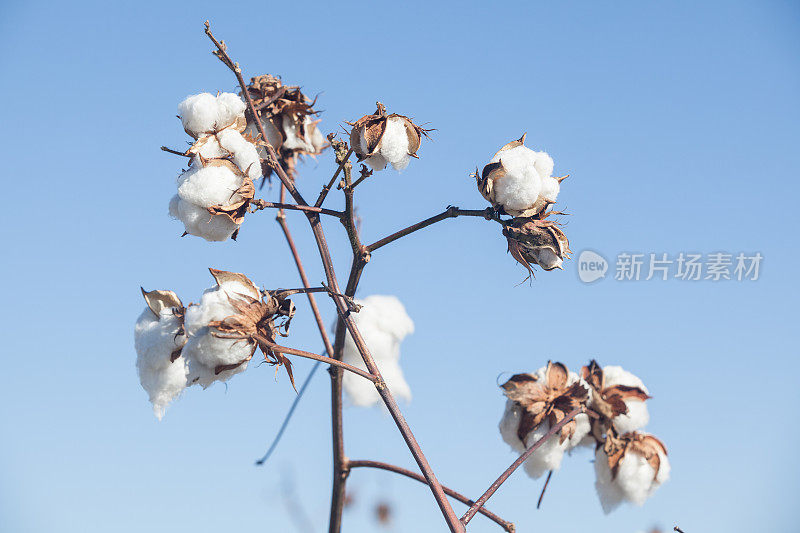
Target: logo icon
(591, 266)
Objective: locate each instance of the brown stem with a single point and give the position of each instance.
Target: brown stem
(317, 357)
(258, 205)
(176, 152)
(450, 212)
(546, 482)
(326, 189)
(516, 464)
(508, 526)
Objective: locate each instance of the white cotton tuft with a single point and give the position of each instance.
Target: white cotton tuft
(394, 144)
(509, 423)
(609, 492)
(200, 188)
(383, 323)
(204, 351)
(155, 339)
(547, 259)
(548, 456)
(312, 140)
(637, 416)
(205, 113)
(520, 187)
(544, 165)
(243, 153)
(550, 189)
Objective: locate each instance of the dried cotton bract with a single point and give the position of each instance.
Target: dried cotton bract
(533, 241)
(227, 326)
(381, 139)
(215, 192)
(630, 468)
(536, 402)
(519, 180)
(287, 119)
(384, 323)
(618, 396)
(159, 338)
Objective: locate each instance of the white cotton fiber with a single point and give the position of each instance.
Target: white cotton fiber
(205, 351)
(637, 416)
(155, 339)
(635, 482)
(609, 492)
(394, 144)
(520, 187)
(202, 187)
(205, 113)
(550, 189)
(509, 423)
(547, 259)
(243, 153)
(198, 221)
(383, 323)
(544, 165)
(548, 456)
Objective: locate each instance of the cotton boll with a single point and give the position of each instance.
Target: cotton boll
(548, 456)
(244, 154)
(229, 107)
(610, 494)
(520, 187)
(376, 162)
(394, 143)
(199, 222)
(204, 351)
(637, 480)
(512, 415)
(198, 113)
(155, 339)
(294, 140)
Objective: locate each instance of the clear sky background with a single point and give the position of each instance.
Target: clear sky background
(678, 122)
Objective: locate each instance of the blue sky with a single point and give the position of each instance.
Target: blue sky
(678, 123)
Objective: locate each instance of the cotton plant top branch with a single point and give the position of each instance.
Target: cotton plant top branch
(342, 309)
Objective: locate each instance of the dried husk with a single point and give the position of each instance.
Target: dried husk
(258, 321)
(550, 399)
(527, 237)
(276, 101)
(372, 127)
(648, 446)
(609, 401)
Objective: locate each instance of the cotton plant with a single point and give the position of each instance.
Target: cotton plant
(214, 193)
(383, 323)
(263, 131)
(380, 139)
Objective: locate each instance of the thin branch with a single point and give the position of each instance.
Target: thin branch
(176, 152)
(326, 189)
(223, 56)
(289, 415)
(315, 357)
(546, 482)
(450, 212)
(516, 464)
(258, 205)
(508, 526)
